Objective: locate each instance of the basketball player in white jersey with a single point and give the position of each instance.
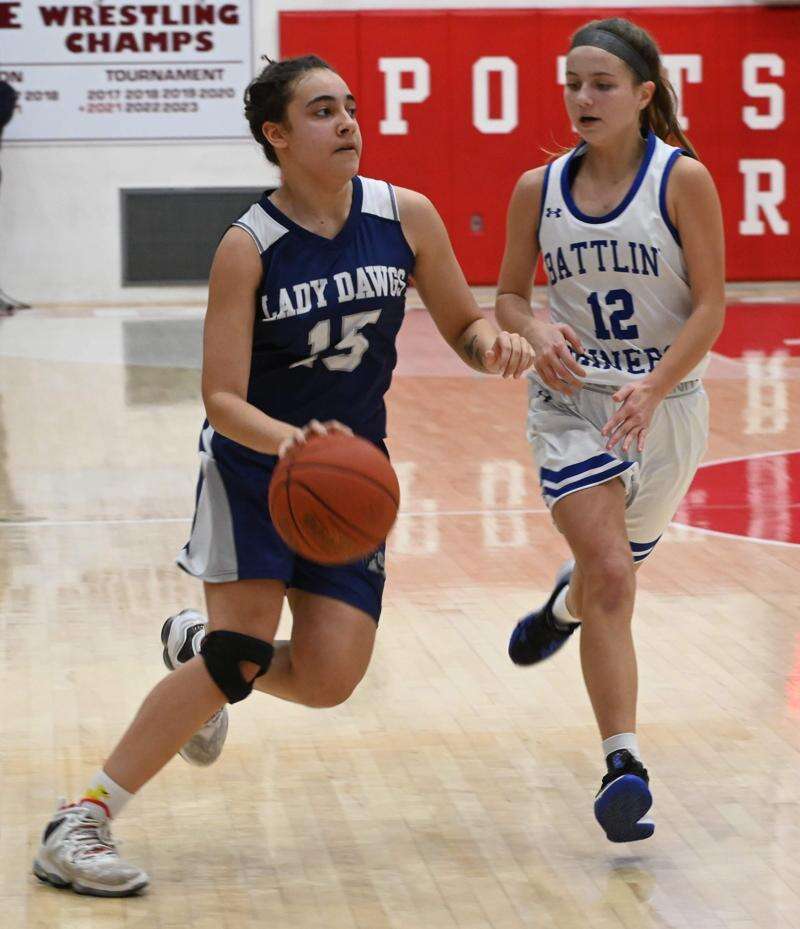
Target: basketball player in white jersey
(630, 233)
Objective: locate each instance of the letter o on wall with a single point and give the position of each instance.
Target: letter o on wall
(509, 105)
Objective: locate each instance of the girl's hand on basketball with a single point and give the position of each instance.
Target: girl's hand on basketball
(637, 402)
(311, 429)
(510, 356)
(553, 360)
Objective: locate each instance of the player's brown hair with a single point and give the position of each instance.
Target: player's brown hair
(661, 114)
(268, 95)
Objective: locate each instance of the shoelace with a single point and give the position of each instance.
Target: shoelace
(89, 830)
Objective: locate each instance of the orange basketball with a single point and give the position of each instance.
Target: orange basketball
(334, 499)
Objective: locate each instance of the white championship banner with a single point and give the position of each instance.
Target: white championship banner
(104, 71)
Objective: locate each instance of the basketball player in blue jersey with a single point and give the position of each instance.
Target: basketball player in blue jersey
(630, 233)
(306, 297)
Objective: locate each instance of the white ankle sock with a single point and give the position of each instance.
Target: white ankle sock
(626, 740)
(561, 612)
(104, 796)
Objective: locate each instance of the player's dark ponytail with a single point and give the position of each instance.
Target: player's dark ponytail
(661, 113)
(268, 95)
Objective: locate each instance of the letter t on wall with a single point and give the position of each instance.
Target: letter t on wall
(678, 67)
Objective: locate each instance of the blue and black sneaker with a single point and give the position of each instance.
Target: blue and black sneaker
(538, 636)
(623, 799)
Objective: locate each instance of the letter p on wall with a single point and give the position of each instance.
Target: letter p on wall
(395, 95)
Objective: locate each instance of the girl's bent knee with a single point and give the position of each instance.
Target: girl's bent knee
(323, 698)
(609, 586)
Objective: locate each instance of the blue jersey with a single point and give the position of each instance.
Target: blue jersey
(328, 312)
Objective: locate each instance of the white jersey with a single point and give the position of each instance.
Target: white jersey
(619, 280)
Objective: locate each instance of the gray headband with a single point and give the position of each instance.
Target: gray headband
(610, 42)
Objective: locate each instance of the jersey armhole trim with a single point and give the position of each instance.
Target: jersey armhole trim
(662, 193)
(396, 212)
(252, 234)
(541, 203)
(393, 199)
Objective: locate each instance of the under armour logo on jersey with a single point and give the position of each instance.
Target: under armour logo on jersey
(553, 211)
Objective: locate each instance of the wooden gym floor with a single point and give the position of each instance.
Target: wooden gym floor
(453, 789)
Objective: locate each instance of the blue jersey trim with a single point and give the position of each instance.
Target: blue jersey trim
(662, 194)
(541, 203)
(601, 478)
(547, 474)
(341, 236)
(640, 550)
(566, 193)
(638, 547)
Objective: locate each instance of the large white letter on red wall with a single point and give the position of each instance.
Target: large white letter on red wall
(509, 105)
(765, 201)
(395, 95)
(754, 88)
(676, 67)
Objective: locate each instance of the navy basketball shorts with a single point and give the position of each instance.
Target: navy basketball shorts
(233, 538)
(571, 454)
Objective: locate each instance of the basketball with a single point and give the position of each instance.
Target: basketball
(334, 499)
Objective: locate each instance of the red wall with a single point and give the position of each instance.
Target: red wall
(468, 173)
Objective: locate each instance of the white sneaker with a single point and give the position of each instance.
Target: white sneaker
(77, 851)
(181, 636)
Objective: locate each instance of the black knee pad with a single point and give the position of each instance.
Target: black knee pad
(222, 651)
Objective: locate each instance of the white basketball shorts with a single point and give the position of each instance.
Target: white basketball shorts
(571, 454)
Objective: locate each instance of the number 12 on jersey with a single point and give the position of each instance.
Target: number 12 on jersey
(616, 318)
